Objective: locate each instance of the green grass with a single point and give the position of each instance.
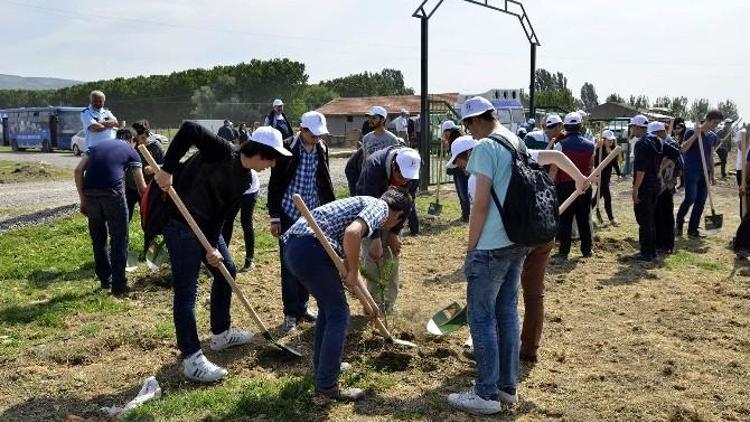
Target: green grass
(14, 172)
(683, 259)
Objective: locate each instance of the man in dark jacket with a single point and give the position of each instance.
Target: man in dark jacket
(393, 166)
(209, 183)
(277, 119)
(228, 131)
(142, 137)
(305, 173)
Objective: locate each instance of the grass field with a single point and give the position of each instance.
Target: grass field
(15, 172)
(622, 341)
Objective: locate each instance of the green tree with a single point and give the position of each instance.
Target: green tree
(366, 84)
(679, 106)
(615, 98)
(729, 109)
(588, 96)
(662, 102)
(698, 109)
(640, 102)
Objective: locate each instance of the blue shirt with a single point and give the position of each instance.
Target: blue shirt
(107, 164)
(334, 217)
(692, 158)
(305, 183)
(492, 160)
(89, 116)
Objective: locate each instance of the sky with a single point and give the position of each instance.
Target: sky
(665, 47)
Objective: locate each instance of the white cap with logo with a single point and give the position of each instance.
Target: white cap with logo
(572, 119)
(552, 119)
(608, 134)
(277, 102)
(475, 106)
(459, 146)
(315, 123)
(409, 162)
(448, 125)
(271, 137)
(639, 120)
(377, 111)
(654, 127)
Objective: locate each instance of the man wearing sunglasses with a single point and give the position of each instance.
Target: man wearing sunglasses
(305, 173)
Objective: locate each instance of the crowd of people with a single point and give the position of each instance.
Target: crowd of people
(220, 180)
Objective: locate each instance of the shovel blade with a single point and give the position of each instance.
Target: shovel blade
(435, 209)
(284, 348)
(447, 320)
(713, 223)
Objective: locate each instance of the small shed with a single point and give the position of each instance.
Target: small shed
(345, 116)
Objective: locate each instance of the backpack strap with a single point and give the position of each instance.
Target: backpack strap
(507, 145)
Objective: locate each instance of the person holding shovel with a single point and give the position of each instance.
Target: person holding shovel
(605, 146)
(344, 223)
(669, 168)
(208, 182)
(394, 166)
(696, 189)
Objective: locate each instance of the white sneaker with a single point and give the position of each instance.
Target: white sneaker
(290, 324)
(472, 403)
(230, 338)
(345, 367)
(197, 368)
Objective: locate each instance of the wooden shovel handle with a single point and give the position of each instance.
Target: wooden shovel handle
(705, 168)
(612, 155)
(337, 261)
(202, 238)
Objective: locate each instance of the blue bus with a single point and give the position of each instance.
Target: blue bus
(45, 128)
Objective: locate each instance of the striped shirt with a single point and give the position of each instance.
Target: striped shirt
(334, 217)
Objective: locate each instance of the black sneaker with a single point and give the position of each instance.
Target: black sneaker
(678, 230)
(106, 285)
(335, 394)
(641, 257)
(523, 357)
(249, 266)
(120, 292)
(695, 234)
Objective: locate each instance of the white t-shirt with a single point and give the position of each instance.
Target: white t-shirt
(254, 184)
(738, 140)
(402, 124)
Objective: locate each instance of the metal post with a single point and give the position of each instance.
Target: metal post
(424, 120)
(532, 88)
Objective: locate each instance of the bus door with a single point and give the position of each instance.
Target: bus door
(6, 137)
(54, 130)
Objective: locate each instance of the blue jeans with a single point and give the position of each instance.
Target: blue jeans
(461, 180)
(294, 295)
(308, 261)
(492, 294)
(108, 215)
(695, 196)
(186, 255)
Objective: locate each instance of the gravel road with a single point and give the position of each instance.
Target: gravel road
(34, 197)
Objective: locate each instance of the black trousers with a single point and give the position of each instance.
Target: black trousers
(723, 153)
(245, 207)
(664, 220)
(605, 194)
(581, 210)
(645, 213)
(132, 197)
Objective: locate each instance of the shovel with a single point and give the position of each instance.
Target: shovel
(435, 208)
(222, 268)
(339, 263)
(447, 320)
(599, 218)
(714, 221)
(612, 155)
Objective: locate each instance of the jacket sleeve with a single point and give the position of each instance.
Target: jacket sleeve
(372, 179)
(325, 184)
(212, 147)
(275, 192)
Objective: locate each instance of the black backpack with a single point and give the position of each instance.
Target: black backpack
(530, 211)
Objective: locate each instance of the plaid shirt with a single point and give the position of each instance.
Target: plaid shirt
(304, 183)
(334, 217)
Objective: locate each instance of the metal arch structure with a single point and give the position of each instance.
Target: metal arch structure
(424, 12)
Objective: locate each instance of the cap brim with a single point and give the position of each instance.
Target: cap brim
(410, 173)
(283, 151)
(318, 130)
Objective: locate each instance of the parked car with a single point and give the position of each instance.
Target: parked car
(78, 143)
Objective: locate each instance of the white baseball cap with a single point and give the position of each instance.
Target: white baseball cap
(277, 102)
(552, 119)
(267, 135)
(582, 113)
(638, 120)
(573, 118)
(377, 111)
(460, 145)
(531, 121)
(315, 122)
(409, 162)
(654, 127)
(475, 106)
(521, 130)
(448, 125)
(608, 134)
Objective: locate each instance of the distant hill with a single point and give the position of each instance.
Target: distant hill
(34, 83)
